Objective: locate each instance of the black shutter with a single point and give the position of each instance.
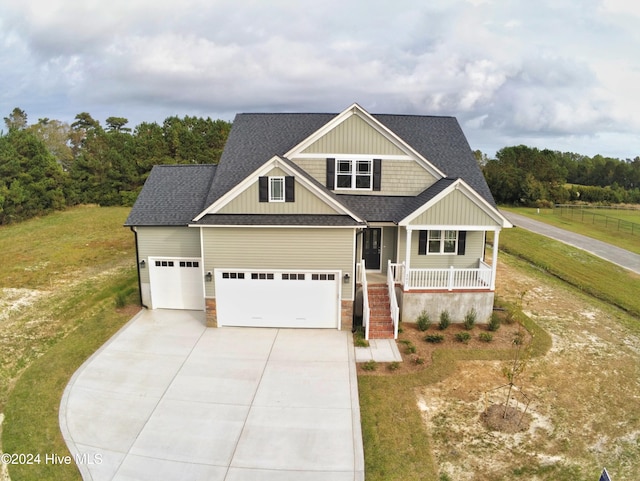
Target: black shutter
(377, 173)
(422, 243)
(331, 173)
(462, 242)
(289, 189)
(263, 189)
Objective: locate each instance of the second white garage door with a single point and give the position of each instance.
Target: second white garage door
(259, 298)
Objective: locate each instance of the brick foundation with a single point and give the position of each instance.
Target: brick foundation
(212, 313)
(346, 315)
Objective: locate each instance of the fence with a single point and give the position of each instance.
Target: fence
(584, 214)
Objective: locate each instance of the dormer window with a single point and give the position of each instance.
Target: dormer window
(276, 189)
(353, 173)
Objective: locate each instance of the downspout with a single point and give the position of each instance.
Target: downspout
(135, 234)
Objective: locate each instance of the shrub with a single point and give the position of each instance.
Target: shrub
(394, 366)
(418, 360)
(434, 338)
(494, 323)
(370, 365)
(410, 349)
(486, 337)
(121, 299)
(463, 337)
(423, 321)
(470, 319)
(445, 320)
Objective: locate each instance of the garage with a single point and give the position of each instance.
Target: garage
(176, 283)
(259, 298)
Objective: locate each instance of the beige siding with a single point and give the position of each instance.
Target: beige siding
(305, 202)
(166, 242)
(399, 177)
(389, 246)
(455, 209)
(279, 248)
(354, 136)
(474, 248)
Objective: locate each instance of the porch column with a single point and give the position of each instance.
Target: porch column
(407, 259)
(494, 258)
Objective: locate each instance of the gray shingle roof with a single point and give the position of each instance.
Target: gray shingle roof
(278, 220)
(172, 195)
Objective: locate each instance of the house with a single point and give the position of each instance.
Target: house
(311, 219)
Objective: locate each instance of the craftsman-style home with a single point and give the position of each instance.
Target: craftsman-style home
(311, 220)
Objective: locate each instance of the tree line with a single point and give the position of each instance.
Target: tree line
(50, 164)
(529, 176)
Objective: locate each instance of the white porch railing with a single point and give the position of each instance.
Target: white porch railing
(365, 299)
(444, 279)
(393, 301)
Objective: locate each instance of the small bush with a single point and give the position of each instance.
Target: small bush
(434, 338)
(121, 299)
(423, 321)
(418, 360)
(410, 349)
(370, 365)
(394, 366)
(445, 320)
(485, 337)
(494, 323)
(463, 337)
(470, 319)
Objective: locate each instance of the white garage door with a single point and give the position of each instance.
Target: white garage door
(176, 283)
(277, 298)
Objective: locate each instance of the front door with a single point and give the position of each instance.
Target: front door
(371, 247)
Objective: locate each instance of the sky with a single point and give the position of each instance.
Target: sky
(556, 74)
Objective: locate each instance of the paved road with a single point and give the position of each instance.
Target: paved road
(621, 257)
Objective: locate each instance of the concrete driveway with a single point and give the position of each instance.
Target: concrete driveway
(168, 399)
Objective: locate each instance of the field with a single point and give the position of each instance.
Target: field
(620, 227)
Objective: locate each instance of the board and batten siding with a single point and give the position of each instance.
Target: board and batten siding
(398, 177)
(306, 202)
(279, 248)
(166, 242)
(455, 209)
(354, 136)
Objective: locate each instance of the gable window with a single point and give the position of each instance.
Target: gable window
(276, 189)
(441, 242)
(353, 174)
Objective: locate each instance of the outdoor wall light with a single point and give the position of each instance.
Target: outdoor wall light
(346, 278)
(143, 264)
(208, 276)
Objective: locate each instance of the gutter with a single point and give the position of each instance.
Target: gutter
(135, 234)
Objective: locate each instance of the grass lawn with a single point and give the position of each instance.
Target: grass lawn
(59, 278)
(605, 233)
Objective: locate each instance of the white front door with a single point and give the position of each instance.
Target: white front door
(261, 298)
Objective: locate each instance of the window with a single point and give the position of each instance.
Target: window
(354, 174)
(440, 242)
(276, 189)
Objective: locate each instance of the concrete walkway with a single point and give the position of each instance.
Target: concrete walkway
(168, 399)
(621, 257)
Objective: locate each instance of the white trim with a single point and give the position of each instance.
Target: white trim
(473, 228)
(270, 193)
(323, 155)
(471, 194)
(253, 226)
(275, 162)
(356, 109)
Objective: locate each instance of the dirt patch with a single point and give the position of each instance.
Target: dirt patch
(584, 395)
(506, 419)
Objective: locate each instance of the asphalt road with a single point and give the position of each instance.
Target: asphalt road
(621, 257)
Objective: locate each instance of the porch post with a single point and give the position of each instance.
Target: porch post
(407, 264)
(494, 258)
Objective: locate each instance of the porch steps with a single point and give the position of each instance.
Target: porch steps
(380, 323)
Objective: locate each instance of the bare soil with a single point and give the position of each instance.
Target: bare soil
(584, 396)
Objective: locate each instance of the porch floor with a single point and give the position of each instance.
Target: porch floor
(376, 278)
